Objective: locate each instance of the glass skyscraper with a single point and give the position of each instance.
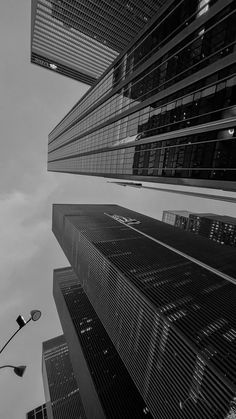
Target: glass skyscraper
(164, 111)
(167, 302)
(106, 389)
(60, 387)
(81, 38)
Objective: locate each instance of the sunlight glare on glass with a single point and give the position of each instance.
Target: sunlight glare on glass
(53, 66)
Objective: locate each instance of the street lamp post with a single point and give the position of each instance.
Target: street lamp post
(34, 315)
(20, 370)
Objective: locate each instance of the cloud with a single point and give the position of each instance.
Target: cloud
(23, 226)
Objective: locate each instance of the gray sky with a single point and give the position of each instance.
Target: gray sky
(33, 100)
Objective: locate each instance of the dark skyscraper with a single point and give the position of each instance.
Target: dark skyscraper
(61, 390)
(219, 228)
(81, 38)
(171, 318)
(106, 389)
(164, 111)
(39, 412)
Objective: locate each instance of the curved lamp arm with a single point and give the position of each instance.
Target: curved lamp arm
(9, 340)
(34, 315)
(20, 370)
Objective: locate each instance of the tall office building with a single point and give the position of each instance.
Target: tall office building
(106, 389)
(81, 38)
(219, 228)
(39, 412)
(60, 387)
(164, 111)
(171, 318)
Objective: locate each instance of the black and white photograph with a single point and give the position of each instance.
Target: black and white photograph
(118, 209)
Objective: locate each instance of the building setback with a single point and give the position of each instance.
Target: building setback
(106, 389)
(159, 307)
(219, 228)
(39, 412)
(164, 111)
(60, 387)
(81, 38)
(177, 191)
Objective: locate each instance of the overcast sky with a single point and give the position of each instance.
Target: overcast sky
(33, 100)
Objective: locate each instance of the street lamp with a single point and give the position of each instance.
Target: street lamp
(34, 315)
(20, 370)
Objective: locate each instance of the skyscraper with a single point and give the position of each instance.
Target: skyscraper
(171, 318)
(81, 38)
(39, 412)
(106, 389)
(164, 111)
(219, 228)
(60, 386)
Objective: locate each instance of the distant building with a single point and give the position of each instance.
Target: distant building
(106, 389)
(176, 218)
(81, 38)
(39, 412)
(219, 228)
(60, 387)
(166, 300)
(164, 111)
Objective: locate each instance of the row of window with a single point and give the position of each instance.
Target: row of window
(200, 49)
(51, 38)
(209, 104)
(180, 16)
(109, 31)
(109, 375)
(213, 159)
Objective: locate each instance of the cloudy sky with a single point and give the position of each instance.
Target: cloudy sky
(33, 100)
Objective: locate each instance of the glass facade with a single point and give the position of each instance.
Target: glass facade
(176, 83)
(159, 305)
(80, 38)
(39, 412)
(118, 396)
(60, 386)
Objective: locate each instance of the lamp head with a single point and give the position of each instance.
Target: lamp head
(20, 370)
(21, 321)
(35, 315)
